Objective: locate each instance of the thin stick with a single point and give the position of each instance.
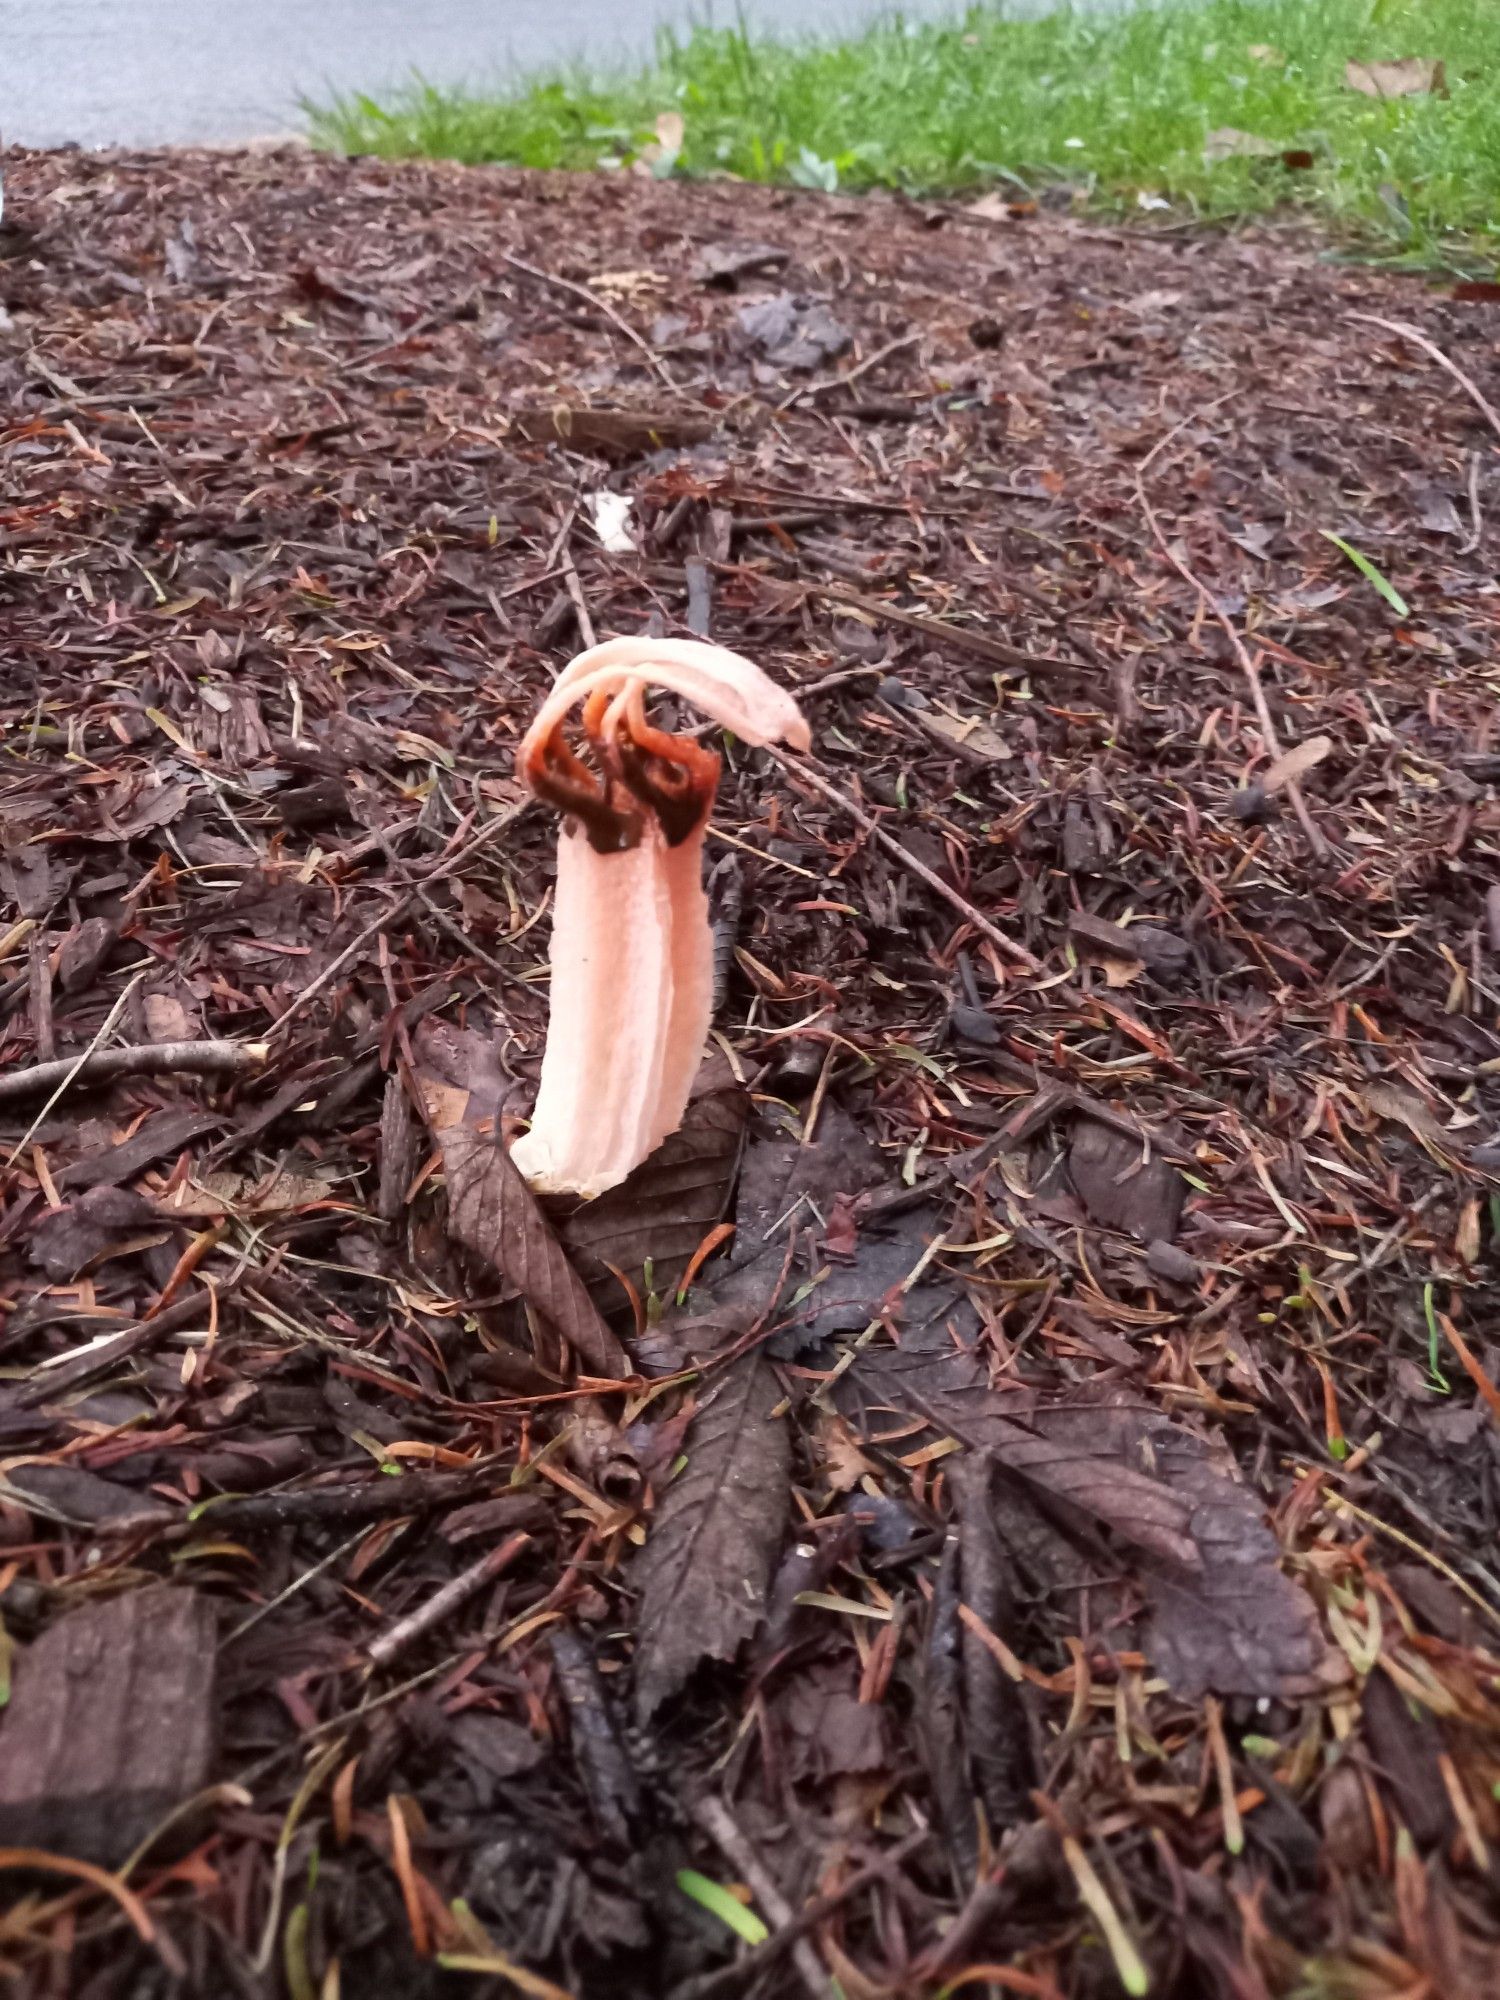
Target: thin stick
(443, 1602)
(71, 1069)
(1016, 953)
(728, 1978)
(444, 922)
(575, 592)
(840, 678)
(90, 1364)
(334, 1555)
(996, 651)
(1415, 335)
(1476, 512)
(351, 950)
(143, 1059)
(1247, 667)
(852, 375)
(442, 871)
(600, 306)
(722, 1829)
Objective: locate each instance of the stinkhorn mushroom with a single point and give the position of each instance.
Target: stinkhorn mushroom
(632, 952)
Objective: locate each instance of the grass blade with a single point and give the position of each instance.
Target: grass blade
(1369, 572)
(729, 1910)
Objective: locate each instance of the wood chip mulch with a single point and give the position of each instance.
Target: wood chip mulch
(1005, 1501)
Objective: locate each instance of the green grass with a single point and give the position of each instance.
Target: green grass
(1116, 106)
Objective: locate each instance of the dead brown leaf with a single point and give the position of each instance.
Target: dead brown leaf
(707, 1561)
(970, 732)
(661, 1212)
(29, 880)
(495, 1216)
(1123, 1188)
(1296, 763)
(85, 952)
(228, 1193)
(1403, 1107)
(998, 207)
(1229, 143)
(1223, 1614)
(130, 810)
(167, 1020)
(1412, 76)
(105, 1222)
(844, 1464)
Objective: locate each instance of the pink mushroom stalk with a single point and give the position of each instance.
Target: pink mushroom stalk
(632, 957)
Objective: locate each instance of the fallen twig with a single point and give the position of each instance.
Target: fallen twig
(1247, 666)
(494, 1562)
(821, 388)
(996, 651)
(599, 305)
(1476, 512)
(141, 1059)
(1016, 953)
(750, 1964)
(445, 868)
(1406, 331)
(50, 1385)
(446, 924)
(354, 1503)
(69, 1069)
(351, 950)
(716, 1820)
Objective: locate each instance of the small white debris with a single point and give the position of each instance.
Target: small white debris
(611, 517)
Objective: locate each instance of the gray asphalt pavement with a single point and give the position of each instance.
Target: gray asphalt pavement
(185, 72)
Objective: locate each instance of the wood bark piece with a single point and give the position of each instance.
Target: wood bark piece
(611, 433)
(110, 1726)
(158, 1138)
(91, 1364)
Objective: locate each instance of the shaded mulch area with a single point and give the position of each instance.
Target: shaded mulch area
(1046, 1543)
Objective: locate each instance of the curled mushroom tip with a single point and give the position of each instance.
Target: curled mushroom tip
(632, 957)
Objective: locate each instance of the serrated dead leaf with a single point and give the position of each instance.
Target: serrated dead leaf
(663, 1210)
(1224, 1617)
(704, 1571)
(496, 1217)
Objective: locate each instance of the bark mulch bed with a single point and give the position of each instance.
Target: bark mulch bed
(1006, 1498)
